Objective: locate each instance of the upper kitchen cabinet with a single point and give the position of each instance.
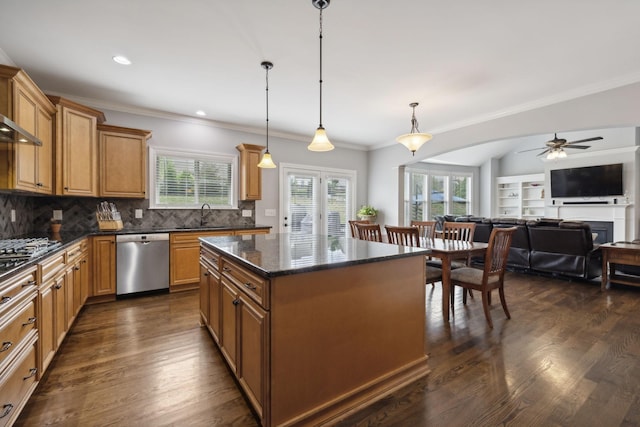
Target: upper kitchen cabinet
(76, 148)
(250, 173)
(26, 166)
(123, 161)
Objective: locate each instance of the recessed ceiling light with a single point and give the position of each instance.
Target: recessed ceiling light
(122, 60)
(201, 113)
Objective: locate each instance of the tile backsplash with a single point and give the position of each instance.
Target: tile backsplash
(78, 213)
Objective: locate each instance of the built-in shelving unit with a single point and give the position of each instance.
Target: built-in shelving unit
(520, 196)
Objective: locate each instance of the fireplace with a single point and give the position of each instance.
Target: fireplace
(604, 229)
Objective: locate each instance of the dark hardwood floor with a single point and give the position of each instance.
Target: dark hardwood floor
(570, 356)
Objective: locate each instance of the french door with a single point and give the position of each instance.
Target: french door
(316, 200)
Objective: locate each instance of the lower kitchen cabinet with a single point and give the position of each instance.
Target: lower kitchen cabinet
(210, 292)
(103, 257)
(19, 338)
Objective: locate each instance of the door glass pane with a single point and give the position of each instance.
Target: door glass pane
(416, 203)
(337, 196)
(302, 206)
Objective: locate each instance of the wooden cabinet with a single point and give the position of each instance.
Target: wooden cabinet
(237, 302)
(250, 173)
(76, 148)
(24, 166)
(520, 196)
(18, 338)
(123, 161)
(184, 255)
(51, 302)
(77, 280)
(103, 257)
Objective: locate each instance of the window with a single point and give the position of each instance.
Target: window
(437, 193)
(182, 180)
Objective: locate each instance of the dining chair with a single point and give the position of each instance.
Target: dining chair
(491, 276)
(410, 236)
(426, 229)
(352, 226)
(462, 231)
(369, 232)
(406, 236)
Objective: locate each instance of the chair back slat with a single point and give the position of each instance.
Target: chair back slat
(369, 232)
(498, 250)
(405, 236)
(352, 226)
(461, 231)
(426, 229)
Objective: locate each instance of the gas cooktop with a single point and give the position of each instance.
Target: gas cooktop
(12, 250)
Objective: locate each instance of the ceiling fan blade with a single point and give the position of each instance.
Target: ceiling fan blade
(544, 152)
(584, 140)
(582, 147)
(532, 149)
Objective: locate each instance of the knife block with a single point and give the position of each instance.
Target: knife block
(110, 225)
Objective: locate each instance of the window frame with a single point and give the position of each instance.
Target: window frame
(155, 152)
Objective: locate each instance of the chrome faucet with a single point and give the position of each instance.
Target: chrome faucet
(202, 221)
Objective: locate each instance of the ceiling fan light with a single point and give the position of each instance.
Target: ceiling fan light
(562, 154)
(266, 162)
(552, 155)
(320, 141)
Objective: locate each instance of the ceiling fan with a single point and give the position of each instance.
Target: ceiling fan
(555, 147)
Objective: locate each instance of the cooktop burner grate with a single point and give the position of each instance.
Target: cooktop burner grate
(20, 249)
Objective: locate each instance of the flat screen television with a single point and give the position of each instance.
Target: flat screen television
(590, 181)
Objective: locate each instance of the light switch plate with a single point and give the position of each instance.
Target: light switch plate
(269, 212)
(138, 213)
(57, 214)
(246, 212)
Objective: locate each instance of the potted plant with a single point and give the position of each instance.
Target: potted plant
(368, 212)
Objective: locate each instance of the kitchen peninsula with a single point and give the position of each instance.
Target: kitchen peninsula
(314, 327)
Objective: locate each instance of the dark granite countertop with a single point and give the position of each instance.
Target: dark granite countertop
(68, 238)
(271, 255)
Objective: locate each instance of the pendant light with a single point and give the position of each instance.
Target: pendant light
(266, 161)
(320, 140)
(414, 139)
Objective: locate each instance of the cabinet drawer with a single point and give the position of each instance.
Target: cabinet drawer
(193, 236)
(18, 384)
(210, 258)
(15, 327)
(51, 266)
(256, 287)
(14, 289)
(75, 251)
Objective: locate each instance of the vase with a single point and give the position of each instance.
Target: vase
(370, 218)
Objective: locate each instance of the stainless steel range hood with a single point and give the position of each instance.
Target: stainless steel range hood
(11, 132)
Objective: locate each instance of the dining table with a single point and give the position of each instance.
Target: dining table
(447, 250)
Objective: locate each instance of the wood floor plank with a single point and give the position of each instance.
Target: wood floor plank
(569, 356)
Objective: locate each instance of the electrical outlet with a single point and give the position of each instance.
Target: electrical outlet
(246, 212)
(138, 213)
(13, 215)
(57, 214)
(269, 212)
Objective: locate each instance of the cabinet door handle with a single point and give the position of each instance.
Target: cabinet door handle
(58, 286)
(250, 286)
(226, 269)
(32, 373)
(29, 283)
(6, 346)
(5, 300)
(76, 268)
(66, 188)
(6, 409)
(31, 321)
(206, 274)
(236, 301)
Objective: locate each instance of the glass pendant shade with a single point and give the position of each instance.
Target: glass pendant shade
(320, 141)
(414, 139)
(266, 162)
(556, 153)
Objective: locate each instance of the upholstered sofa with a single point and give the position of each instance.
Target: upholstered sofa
(546, 245)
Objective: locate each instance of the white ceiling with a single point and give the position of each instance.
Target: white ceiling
(465, 61)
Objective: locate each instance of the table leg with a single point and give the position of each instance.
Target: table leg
(446, 286)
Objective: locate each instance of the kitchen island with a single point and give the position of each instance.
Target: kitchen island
(314, 327)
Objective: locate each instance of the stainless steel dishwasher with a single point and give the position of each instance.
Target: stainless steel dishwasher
(142, 263)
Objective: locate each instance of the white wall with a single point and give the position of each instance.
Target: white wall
(200, 135)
